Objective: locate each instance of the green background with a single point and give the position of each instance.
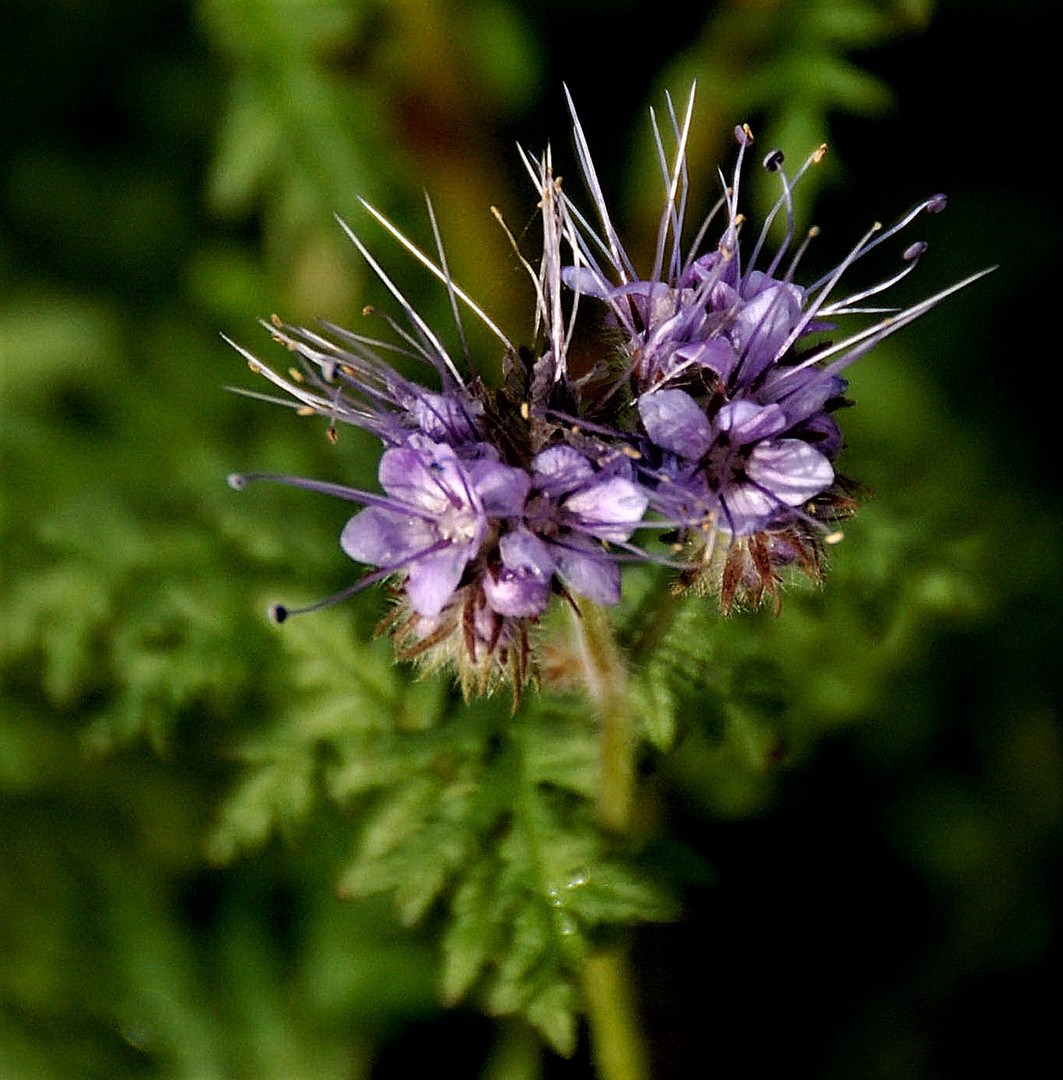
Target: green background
(879, 787)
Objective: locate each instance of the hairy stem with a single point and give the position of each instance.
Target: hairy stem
(608, 991)
(654, 618)
(606, 676)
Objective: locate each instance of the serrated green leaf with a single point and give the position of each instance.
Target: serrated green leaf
(468, 941)
(40, 617)
(655, 708)
(274, 796)
(553, 1011)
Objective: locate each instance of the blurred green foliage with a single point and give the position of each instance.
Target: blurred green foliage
(876, 776)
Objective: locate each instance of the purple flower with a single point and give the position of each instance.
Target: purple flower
(573, 508)
(436, 519)
(486, 512)
(723, 352)
(755, 474)
(743, 471)
(711, 405)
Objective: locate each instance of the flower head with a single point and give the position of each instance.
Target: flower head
(733, 383)
(712, 420)
(486, 512)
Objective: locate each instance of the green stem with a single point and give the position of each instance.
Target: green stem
(608, 990)
(606, 677)
(616, 1041)
(655, 616)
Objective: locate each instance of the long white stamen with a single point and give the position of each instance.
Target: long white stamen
(860, 343)
(674, 177)
(422, 327)
(618, 256)
(440, 272)
(318, 404)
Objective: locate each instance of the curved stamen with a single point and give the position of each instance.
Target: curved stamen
(238, 481)
(934, 205)
(281, 612)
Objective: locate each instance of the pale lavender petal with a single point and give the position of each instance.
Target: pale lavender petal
(676, 422)
(501, 488)
(521, 587)
(522, 550)
(433, 579)
(589, 574)
(745, 422)
(423, 476)
(560, 469)
(609, 510)
(791, 469)
(441, 416)
(802, 393)
(770, 312)
(747, 508)
(380, 537)
(583, 280)
(715, 353)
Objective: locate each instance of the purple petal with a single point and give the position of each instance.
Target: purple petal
(823, 433)
(442, 416)
(745, 422)
(524, 552)
(589, 574)
(791, 469)
(560, 469)
(803, 392)
(433, 578)
(715, 353)
(583, 280)
(380, 537)
(705, 267)
(764, 320)
(674, 327)
(674, 421)
(609, 510)
(425, 475)
(748, 508)
(502, 488)
(521, 588)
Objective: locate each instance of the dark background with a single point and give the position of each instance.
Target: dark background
(887, 903)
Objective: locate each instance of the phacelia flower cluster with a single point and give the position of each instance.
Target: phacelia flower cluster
(708, 424)
(488, 508)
